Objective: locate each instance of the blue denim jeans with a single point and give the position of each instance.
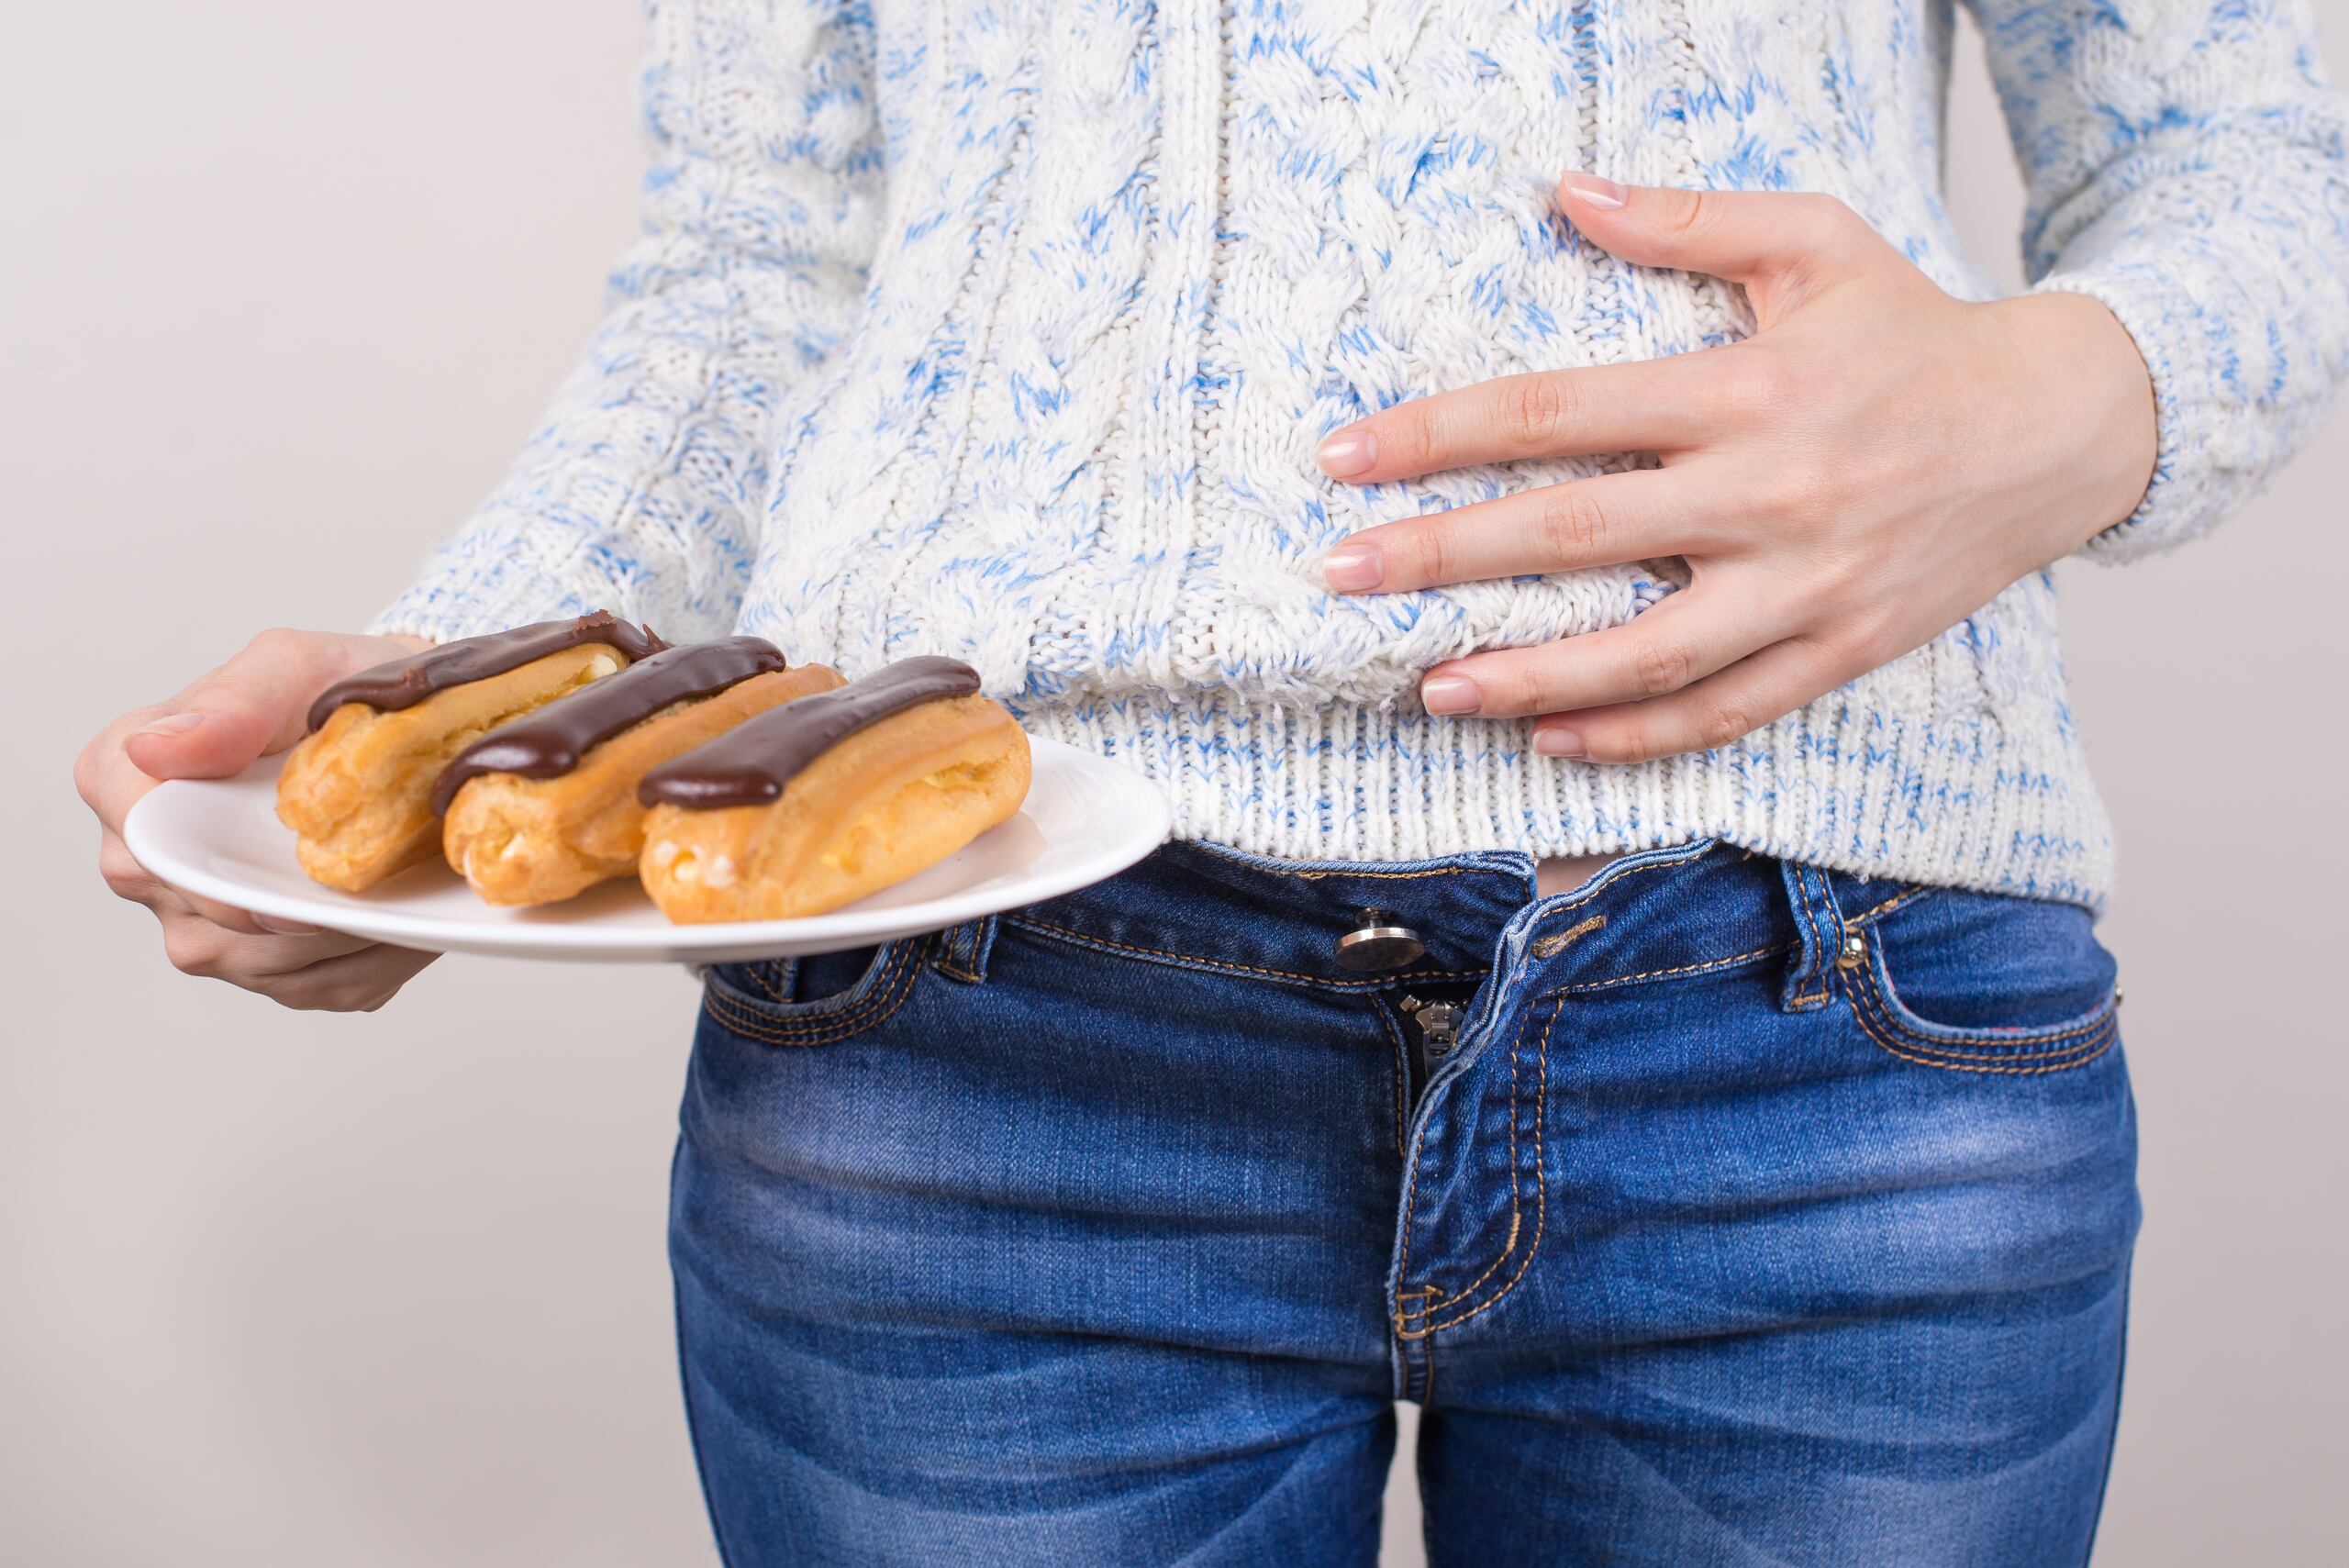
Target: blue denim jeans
(1750, 1213)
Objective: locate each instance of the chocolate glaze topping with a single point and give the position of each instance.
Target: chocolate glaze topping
(549, 743)
(750, 764)
(409, 678)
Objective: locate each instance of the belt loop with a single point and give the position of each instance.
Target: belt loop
(963, 949)
(1819, 931)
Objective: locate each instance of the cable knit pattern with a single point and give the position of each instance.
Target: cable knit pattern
(1006, 329)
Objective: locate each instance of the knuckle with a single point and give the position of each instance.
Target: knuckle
(1688, 212)
(1719, 723)
(1514, 689)
(361, 992)
(1761, 386)
(316, 996)
(1407, 437)
(194, 947)
(1660, 667)
(125, 875)
(1430, 552)
(274, 642)
(1571, 525)
(1873, 638)
(1800, 493)
(87, 771)
(1534, 409)
(1616, 746)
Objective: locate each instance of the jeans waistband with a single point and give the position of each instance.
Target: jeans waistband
(1652, 916)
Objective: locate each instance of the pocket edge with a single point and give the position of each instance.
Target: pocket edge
(884, 987)
(1875, 1003)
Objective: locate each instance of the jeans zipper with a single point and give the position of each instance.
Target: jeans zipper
(1438, 1026)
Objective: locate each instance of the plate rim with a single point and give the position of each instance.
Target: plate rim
(586, 939)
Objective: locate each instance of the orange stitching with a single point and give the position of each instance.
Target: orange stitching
(1879, 987)
(1909, 894)
(1090, 940)
(735, 1023)
(1550, 947)
(1515, 1211)
(838, 1029)
(891, 988)
(763, 984)
(1818, 943)
(820, 1030)
(1385, 876)
(1513, 1203)
(818, 1022)
(1395, 1035)
(1624, 875)
(2080, 1060)
(1924, 1043)
(1540, 1191)
(1656, 973)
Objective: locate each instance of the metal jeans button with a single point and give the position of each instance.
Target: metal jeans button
(1379, 943)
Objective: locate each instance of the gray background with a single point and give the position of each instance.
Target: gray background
(282, 286)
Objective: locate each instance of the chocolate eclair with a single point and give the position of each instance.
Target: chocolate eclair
(357, 790)
(815, 805)
(545, 806)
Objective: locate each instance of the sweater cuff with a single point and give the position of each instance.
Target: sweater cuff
(482, 579)
(2171, 334)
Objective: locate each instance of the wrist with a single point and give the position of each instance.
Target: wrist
(2081, 365)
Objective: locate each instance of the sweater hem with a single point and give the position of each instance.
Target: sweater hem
(1836, 785)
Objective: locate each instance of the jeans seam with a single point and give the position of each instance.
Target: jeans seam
(2078, 1055)
(1228, 967)
(1580, 986)
(1880, 992)
(2112, 1437)
(1541, 1195)
(734, 1016)
(889, 993)
(685, 1393)
(1818, 951)
(1875, 912)
(763, 983)
(1402, 1071)
(1317, 876)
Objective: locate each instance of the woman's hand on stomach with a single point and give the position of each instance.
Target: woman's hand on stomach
(1875, 463)
(252, 706)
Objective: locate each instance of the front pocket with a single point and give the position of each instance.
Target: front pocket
(2001, 984)
(797, 1002)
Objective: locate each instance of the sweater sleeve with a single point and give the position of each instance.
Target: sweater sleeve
(641, 490)
(2186, 164)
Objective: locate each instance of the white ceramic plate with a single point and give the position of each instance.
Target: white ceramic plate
(1086, 819)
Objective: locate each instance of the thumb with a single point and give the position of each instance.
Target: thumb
(1771, 242)
(255, 703)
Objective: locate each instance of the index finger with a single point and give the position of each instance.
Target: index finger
(1646, 405)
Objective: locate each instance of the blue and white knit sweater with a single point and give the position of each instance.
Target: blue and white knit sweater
(1006, 328)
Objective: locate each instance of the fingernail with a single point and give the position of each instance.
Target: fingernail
(1451, 693)
(173, 724)
(1353, 568)
(285, 927)
(1556, 742)
(1596, 190)
(1349, 452)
